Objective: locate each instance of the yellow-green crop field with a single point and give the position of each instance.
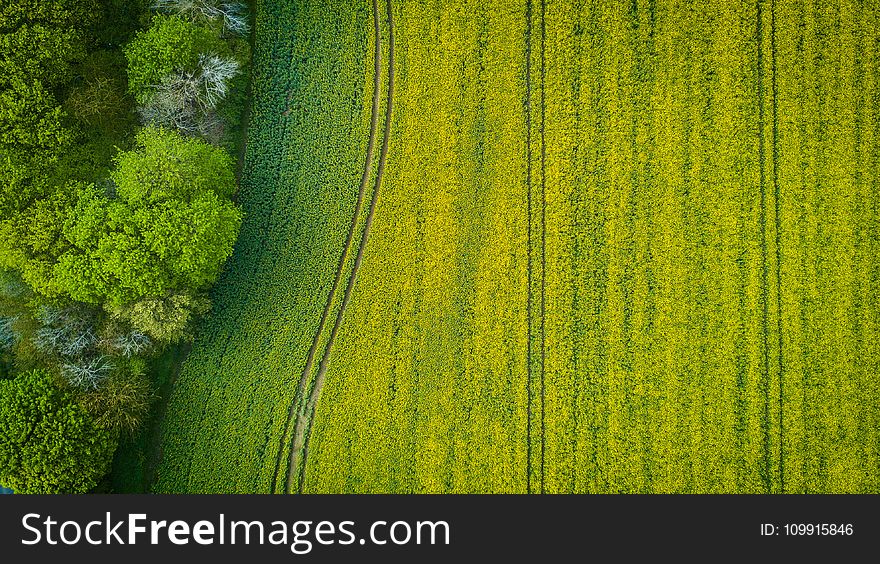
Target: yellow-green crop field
(548, 246)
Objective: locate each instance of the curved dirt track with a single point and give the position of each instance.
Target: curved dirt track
(365, 177)
(300, 413)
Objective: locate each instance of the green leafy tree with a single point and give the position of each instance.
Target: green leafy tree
(40, 42)
(32, 136)
(167, 230)
(170, 43)
(43, 52)
(168, 319)
(48, 442)
(165, 165)
(57, 13)
(148, 251)
(30, 118)
(32, 240)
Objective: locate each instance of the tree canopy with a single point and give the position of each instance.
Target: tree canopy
(39, 44)
(165, 165)
(169, 228)
(48, 442)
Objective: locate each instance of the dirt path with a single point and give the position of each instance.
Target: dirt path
(300, 414)
(302, 434)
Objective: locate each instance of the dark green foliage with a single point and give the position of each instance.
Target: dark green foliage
(134, 465)
(117, 21)
(48, 442)
(101, 101)
(105, 116)
(232, 111)
(30, 119)
(36, 51)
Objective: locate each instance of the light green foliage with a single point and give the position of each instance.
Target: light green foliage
(39, 41)
(38, 51)
(61, 13)
(165, 232)
(48, 443)
(32, 136)
(164, 165)
(168, 319)
(171, 43)
(122, 253)
(32, 240)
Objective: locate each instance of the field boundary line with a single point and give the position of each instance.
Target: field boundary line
(157, 425)
(528, 107)
(765, 259)
(543, 228)
(365, 178)
(778, 225)
(303, 429)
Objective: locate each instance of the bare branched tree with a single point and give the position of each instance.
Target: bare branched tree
(65, 331)
(232, 15)
(211, 127)
(184, 100)
(99, 101)
(8, 335)
(173, 104)
(87, 374)
(130, 344)
(235, 17)
(215, 72)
